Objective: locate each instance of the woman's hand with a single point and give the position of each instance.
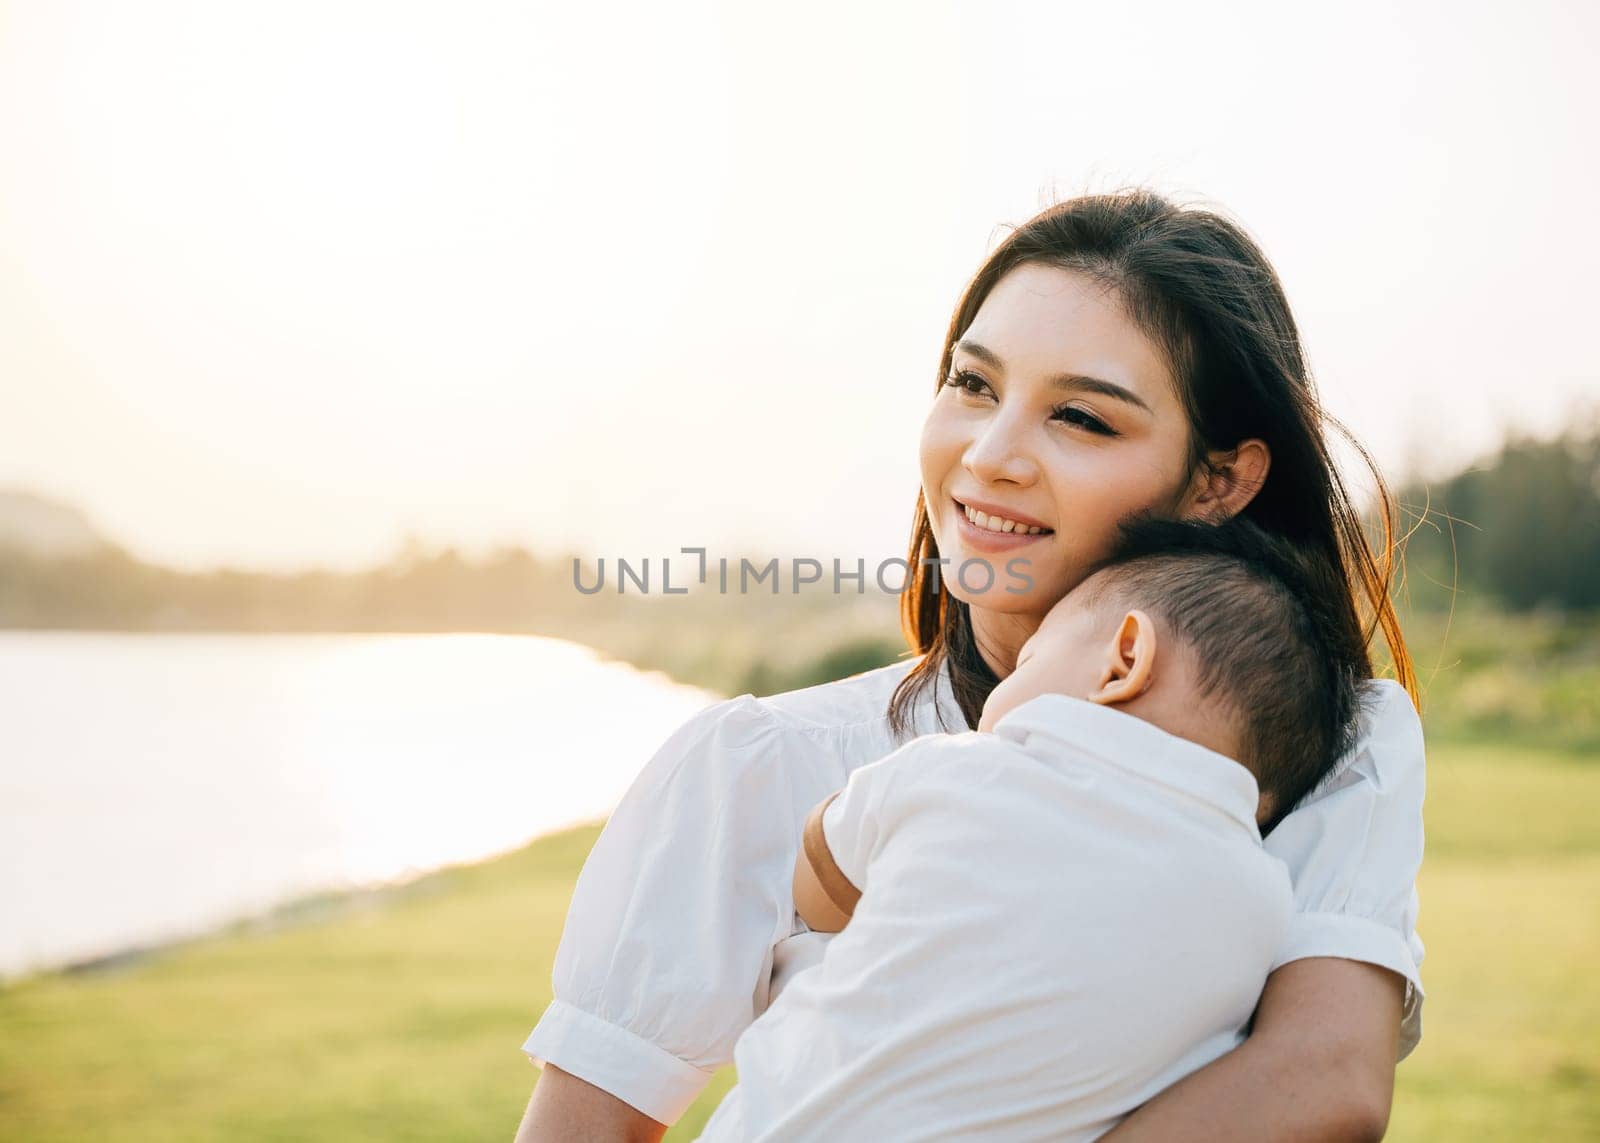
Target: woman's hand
(1318, 1065)
(565, 1108)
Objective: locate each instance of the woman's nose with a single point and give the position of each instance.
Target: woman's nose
(1000, 454)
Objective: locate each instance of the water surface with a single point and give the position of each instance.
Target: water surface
(154, 786)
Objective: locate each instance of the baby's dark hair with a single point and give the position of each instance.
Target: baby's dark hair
(1265, 641)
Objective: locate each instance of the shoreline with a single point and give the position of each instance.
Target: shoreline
(299, 911)
(371, 830)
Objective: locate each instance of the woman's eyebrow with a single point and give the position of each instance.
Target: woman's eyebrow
(1095, 385)
(1061, 381)
(982, 352)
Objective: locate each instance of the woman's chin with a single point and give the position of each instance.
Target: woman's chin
(997, 599)
(993, 582)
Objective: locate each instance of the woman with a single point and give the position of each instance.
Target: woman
(1116, 355)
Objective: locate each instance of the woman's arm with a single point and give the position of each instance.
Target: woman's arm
(666, 951)
(564, 1108)
(1318, 1065)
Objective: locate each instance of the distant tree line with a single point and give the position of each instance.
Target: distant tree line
(758, 642)
(1521, 529)
(511, 590)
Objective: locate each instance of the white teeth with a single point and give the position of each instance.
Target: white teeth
(999, 523)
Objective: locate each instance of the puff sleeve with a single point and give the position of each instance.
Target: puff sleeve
(667, 947)
(1353, 849)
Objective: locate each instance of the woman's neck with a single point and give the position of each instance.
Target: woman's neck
(999, 635)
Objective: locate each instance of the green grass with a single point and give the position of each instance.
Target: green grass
(1490, 675)
(398, 1015)
(1510, 893)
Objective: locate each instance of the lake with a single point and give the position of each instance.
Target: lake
(157, 786)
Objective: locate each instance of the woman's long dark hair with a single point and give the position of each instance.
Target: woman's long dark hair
(1202, 290)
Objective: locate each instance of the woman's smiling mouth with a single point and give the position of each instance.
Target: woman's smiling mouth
(995, 531)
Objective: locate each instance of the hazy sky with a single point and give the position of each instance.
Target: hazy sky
(281, 283)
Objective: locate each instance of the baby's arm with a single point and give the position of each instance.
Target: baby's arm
(823, 896)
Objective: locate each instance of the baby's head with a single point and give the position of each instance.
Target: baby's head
(1215, 634)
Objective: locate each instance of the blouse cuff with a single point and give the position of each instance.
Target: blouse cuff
(641, 1074)
(1359, 938)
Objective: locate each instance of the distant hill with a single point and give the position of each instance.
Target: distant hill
(44, 527)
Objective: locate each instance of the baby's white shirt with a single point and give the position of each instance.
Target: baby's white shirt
(1059, 920)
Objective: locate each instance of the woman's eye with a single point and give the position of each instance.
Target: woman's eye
(1076, 416)
(967, 381)
(974, 385)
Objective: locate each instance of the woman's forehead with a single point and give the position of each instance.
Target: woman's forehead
(1043, 321)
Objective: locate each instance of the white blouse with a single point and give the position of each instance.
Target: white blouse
(682, 927)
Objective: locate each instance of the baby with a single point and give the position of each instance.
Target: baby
(1047, 921)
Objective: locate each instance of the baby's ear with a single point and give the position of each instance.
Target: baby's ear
(1130, 660)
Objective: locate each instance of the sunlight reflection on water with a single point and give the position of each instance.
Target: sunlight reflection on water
(157, 785)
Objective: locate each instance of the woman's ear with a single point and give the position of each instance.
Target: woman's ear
(1229, 481)
(1130, 660)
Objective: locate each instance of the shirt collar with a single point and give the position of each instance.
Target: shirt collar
(1142, 747)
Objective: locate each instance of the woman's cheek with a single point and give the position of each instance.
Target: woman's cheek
(930, 444)
(1122, 485)
(1090, 507)
(940, 454)
(944, 434)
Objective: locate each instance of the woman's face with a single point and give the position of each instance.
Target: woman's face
(1057, 413)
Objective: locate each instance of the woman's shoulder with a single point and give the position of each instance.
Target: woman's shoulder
(1387, 757)
(827, 729)
(853, 713)
(840, 702)
(1384, 693)
(1389, 731)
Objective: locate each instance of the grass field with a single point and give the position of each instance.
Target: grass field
(397, 1015)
